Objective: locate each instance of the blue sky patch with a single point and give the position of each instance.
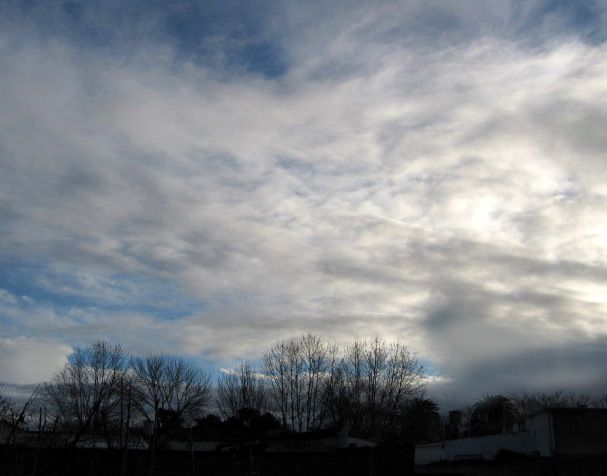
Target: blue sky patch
(58, 288)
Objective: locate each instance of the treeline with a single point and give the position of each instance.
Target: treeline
(302, 384)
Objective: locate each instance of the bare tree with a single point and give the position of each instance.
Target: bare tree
(284, 368)
(365, 387)
(336, 397)
(600, 401)
(403, 380)
(9, 413)
(528, 403)
(298, 371)
(6, 404)
(83, 394)
(166, 385)
(374, 382)
(347, 400)
(319, 360)
(241, 388)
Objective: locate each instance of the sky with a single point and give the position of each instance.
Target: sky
(206, 178)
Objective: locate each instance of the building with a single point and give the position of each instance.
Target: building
(555, 432)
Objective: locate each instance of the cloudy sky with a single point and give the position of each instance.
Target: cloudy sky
(204, 178)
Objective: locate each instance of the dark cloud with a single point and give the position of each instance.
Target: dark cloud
(571, 367)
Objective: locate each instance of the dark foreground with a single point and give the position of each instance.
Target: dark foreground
(32, 461)
(39, 461)
(589, 466)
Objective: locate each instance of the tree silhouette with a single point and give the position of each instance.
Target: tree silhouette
(526, 404)
(241, 388)
(297, 372)
(84, 393)
(421, 421)
(491, 415)
(169, 389)
(371, 385)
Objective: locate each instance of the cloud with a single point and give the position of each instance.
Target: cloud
(30, 360)
(422, 171)
(545, 369)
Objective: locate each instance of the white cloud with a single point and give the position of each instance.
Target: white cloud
(30, 360)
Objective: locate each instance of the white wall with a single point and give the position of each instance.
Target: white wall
(425, 454)
(485, 447)
(540, 427)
